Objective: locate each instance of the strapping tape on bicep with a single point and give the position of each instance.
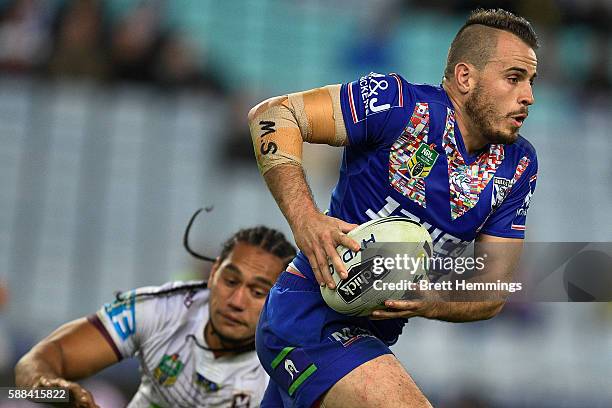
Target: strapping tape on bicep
(276, 137)
(280, 125)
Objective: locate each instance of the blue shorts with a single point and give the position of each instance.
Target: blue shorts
(306, 347)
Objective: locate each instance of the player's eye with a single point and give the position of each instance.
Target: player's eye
(231, 282)
(259, 293)
(513, 80)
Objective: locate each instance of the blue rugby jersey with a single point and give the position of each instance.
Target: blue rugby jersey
(406, 157)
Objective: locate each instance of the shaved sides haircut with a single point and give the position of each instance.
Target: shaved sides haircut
(476, 40)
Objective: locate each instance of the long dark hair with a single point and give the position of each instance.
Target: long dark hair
(268, 239)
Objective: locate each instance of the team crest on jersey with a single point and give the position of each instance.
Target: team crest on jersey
(411, 158)
(168, 369)
(241, 401)
(501, 188)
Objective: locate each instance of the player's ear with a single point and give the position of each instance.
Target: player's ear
(464, 77)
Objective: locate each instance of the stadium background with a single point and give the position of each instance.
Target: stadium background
(119, 118)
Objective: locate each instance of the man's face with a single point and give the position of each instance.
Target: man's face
(499, 102)
(239, 285)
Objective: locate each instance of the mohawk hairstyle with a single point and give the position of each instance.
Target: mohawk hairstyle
(475, 42)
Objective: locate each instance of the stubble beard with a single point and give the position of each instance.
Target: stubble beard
(481, 111)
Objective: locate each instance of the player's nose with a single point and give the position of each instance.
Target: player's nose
(238, 298)
(526, 97)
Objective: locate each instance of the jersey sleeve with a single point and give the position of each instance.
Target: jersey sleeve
(509, 219)
(369, 106)
(130, 320)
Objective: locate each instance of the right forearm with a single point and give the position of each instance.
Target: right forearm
(290, 189)
(42, 361)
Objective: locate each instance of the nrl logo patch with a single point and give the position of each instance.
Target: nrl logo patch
(168, 369)
(422, 161)
(501, 187)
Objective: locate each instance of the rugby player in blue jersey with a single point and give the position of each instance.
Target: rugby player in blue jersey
(449, 156)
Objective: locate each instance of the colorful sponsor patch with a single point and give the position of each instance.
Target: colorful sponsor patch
(374, 93)
(350, 334)
(208, 385)
(411, 159)
(122, 313)
(168, 369)
(291, 367)
(467, 182)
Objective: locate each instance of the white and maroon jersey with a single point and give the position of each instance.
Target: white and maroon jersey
(165, 331)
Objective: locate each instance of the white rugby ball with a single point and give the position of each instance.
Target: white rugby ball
(358, 295)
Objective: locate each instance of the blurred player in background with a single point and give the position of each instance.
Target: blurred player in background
(448, 156)
(195, 344)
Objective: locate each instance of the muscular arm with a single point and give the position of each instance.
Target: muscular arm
(74, 351)
(288, 185)
(279, 126)
(502, 257)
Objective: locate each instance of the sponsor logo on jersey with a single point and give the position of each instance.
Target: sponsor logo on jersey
(501, 188)
(168, 369)
(519, 222)
(291, 367)
(522, 211)
(188, 300)
(122, 313)
(378, 93)
(241, 401)
(208, 385)
(350, 334)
